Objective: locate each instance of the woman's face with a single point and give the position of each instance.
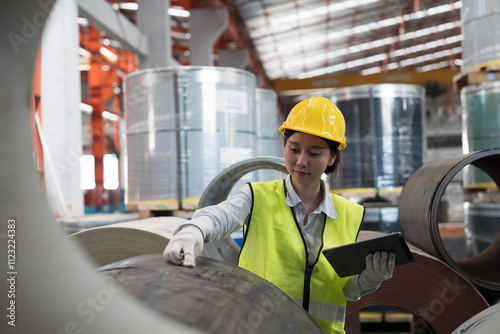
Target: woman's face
(306, 157)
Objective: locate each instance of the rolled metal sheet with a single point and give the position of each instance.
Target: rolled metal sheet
(184, 125)
(481, 32)
(108, 244)
(481, 127)
(79, 223)
(218, 191)
(428, 288)
(214, 296)
(385, 135)
(418, 211)
(485, 322)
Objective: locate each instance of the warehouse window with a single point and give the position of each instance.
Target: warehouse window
(111, 171)
(87, 172)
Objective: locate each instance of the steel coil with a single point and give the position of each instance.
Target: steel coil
(108, 244)
(418, 210)
(184, 125)
(213, 297)
(485, 322)
(384, 127)
(218, 190)
(481, 127)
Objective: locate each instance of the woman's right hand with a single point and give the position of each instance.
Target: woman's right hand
(185, 246)
(379, 268)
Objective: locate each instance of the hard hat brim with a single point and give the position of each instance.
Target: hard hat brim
(341, 146)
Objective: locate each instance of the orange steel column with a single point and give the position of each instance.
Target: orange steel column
(97, 103)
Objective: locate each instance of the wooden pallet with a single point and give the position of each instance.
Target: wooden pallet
(452, 230)
(477, 74)
(148, 210)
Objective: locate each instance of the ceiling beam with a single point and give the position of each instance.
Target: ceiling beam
(444, 76)
(100, 14)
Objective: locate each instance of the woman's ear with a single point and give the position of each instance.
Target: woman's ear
(332, 160)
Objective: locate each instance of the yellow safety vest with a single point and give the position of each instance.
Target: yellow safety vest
(274, 248)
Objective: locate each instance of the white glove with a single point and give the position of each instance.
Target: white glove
(379, 268)
(185, 246)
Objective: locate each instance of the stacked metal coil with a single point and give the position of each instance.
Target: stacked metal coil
(481, 32)
(384, 127)
(481, 127)
(184, 125)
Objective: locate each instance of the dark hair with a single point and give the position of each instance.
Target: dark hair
(334, 151)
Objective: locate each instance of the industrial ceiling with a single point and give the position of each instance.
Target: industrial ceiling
(297, 39)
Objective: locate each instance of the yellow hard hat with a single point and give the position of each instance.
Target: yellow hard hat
(317, 116)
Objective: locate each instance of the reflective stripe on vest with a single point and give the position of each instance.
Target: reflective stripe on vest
(274, 248)
(324, 311)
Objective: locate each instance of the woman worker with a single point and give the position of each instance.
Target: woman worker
(287, 223)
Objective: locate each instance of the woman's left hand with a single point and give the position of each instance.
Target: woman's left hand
(379, 268)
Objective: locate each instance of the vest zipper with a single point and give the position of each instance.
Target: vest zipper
(307, 286)
(309, 269)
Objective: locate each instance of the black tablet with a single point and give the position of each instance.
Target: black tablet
(349, 259)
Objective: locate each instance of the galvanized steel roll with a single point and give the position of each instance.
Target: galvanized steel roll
(151, 136)
(481, 127)
(213, 297)
(481, 32)
(384, 130)
(185, 125)
(418, 210)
